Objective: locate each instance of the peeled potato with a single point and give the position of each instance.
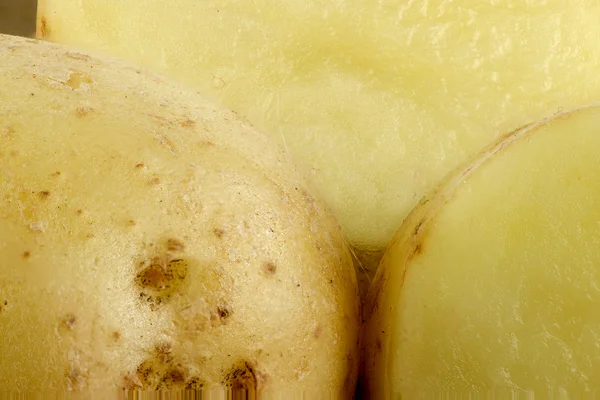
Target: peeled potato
(493, 281)
(380, 98)
(150, 240)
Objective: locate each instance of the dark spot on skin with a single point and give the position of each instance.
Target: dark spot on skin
(223, 312)
(131, 222)
(318, 331)
(163, 353)
(116, 335)
(172, 378)
(194, 383)
(83, 111)
(219, 233)
(159, 281)
(154, 181)
(44, 194)
(147, 374)
(139, 165)
(79, 212)
(175, 245)
(242, 376)
(57, 173)
(77, 378)
(378, 344)
(418, 227)
(44, 28)
(188, 123)
(269, 268)
(69, 321)
(26, 255)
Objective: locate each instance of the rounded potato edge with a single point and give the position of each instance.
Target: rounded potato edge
(151, 240)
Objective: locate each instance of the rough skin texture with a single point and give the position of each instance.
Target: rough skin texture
(151, 240)
(492, 283)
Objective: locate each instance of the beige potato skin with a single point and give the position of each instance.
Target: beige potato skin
(151, 240)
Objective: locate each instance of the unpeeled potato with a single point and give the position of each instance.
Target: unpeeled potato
(492, 285)
(150, 240)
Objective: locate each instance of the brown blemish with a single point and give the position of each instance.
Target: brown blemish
(194, 383)
(165, 142)
(244, 376)
(77, 378)
(44, 194)
(188, 123)
(418, 226)
(159, 280)
(139, 165)
(69, 321)
(378, 345)
(175, 245)
(116, 335)
(318, 331)
(83, 111)
(163, 353)
(44, 28)
(219, 233)
(26, 255)
(131, 222)
(269, 268)
(172, 378)
(147, 374)
(154, 181)
(223, 312)
(55, 174)
(79, 212)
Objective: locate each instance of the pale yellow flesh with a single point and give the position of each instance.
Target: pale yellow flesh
(493, 282)
(380, 99)
(106, 171)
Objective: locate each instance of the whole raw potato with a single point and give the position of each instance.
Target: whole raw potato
(492, 285)
(150, 240)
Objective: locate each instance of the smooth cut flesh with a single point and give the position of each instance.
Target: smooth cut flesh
(493, 282)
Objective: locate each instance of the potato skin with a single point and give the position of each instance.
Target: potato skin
(149, 239)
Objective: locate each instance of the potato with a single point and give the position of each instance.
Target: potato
(149, 239)
(493, 281)
(380, 99)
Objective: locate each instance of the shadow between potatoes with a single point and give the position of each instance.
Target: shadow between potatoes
(17, 17)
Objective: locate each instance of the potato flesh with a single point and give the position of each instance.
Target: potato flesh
(381, 99)
(494, 282)
(107, 171)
